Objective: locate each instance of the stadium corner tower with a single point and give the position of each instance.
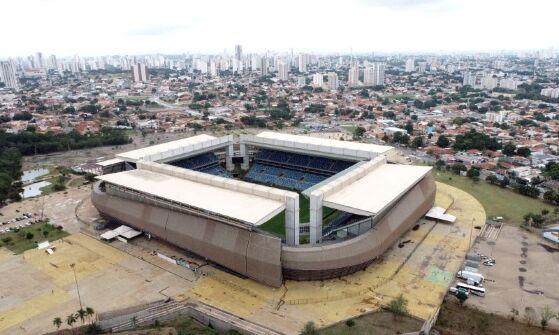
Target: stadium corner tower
(271, 206)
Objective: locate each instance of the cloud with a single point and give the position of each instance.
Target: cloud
(157, 30)
(402, 4)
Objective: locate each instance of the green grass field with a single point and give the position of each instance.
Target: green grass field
(497, 201)
(28, 237)
(276, 225)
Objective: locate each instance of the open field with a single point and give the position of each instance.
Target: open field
(28, 237)
(497, 201)
(458, 320)
(377, 323)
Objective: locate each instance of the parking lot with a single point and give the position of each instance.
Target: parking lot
(524, 276)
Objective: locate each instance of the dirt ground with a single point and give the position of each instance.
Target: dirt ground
(459, 320)
(525, 274)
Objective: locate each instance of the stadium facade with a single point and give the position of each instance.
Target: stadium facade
(188, 192)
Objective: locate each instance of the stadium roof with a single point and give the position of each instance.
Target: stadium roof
(157, 150)
(250, 209)
(377, 190)
(325, 142)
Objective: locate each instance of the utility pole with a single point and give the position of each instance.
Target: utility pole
(73, 266)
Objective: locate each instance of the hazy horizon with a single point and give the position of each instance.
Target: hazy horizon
(100, 28)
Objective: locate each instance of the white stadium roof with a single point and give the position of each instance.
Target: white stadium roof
(248, 208)
(285, 139)
(170, 147)
(377, 190)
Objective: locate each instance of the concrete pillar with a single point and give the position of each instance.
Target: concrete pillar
(244, 154)
(315, 224)
(292, 220)
(229, 158)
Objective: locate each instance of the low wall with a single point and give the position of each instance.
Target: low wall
(247, 252)
(334, 260)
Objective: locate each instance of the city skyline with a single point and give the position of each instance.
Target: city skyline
(360, 26)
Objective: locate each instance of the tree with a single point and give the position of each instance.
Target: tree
(89, 312)
(443, 142)
(473, 172)
(57, 322)
(439, 164)
(309, 329)
(417, 142)
(462, 296)
(81, 314)
(358, 133)
(90, 177)
(70, 320)
(523, 151)
(492, 179)
(409, 127)
(398, 306)
(509, 149)
(546, 314)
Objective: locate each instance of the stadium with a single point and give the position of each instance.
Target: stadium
(271, 206)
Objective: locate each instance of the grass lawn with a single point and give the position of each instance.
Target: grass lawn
(462, 320)
(497, 201)
(28, 237)
(276, 225)
(379, 323)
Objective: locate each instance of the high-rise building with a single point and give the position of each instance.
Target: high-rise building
(374, 74)
(509, 84)
(469, 79)
(421, 67)
(140, 72)
(8, 75)
(238, 52)
(317, 80)
(264, 65)
(53, 63)
(489, 82)
(550, 92)
(303, 59)
(38, 62)
(213, 69)
(283, 71)
(333, 81)
(410, 65)
(353, 76)
(301, 81)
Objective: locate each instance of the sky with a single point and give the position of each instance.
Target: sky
(110, 27)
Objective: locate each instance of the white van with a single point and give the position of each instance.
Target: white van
(473, 277)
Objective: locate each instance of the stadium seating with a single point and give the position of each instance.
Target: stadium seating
(206, 162)
(291, 170)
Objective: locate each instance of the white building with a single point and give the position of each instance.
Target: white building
(488, 82)
(374, 75)
(140, 73)
(264, 66)
(8, 75)
(410, 65)
(509, 84)
(550, 92)
(353, 76)
(333, 83)
(317, 80)
(283, 71)
(303, 60)
(469, 79)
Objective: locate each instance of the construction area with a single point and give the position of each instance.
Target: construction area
(37, 287)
